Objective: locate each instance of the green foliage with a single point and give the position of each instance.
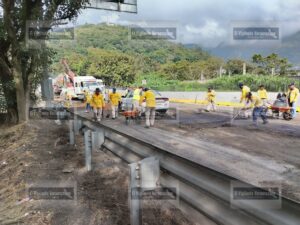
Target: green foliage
(107, 52)
(235, 66)
(113, 67)
(155, 80)
(226, 83)
(272, 83)
(266, 64)
(185, 70)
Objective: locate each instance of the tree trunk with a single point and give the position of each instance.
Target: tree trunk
(22, 94)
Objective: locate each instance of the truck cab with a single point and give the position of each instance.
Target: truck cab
(88, 83)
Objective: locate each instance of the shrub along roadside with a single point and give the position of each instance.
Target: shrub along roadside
(272, 83)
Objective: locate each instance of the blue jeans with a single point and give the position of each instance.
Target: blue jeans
(293, 109)
(259, 112)
(88, 107)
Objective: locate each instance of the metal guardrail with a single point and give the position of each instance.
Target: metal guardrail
(201, 189)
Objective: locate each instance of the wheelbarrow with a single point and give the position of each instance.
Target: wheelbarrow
(132, 115)
(282, 107)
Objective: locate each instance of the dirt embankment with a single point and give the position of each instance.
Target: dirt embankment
(38, 155)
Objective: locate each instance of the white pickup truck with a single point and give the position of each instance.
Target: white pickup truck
(88, 83)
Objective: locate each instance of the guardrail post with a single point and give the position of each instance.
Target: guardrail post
(97, 139)
(77, 125)
(88, 149)
(135, 193)
(72, 134)
(144, 176)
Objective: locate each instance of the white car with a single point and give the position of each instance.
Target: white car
(162, 103)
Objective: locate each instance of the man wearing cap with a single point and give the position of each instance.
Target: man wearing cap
(149, 96)
(98, 104)
(258, 109)
(114, 99)
(293, 98)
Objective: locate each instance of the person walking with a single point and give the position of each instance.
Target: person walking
(245, 90)
(114, 99)
(98, 104)
(258, 108)
(263, 95)
(136, 98)
(211, 98)
(87, 99)
(149, 96)
(293, 96)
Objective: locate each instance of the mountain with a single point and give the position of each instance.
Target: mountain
(289, 48)
(118, 38)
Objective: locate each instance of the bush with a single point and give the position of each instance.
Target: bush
(272, 83)
(226, 83)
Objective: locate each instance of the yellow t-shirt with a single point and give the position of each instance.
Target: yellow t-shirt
(245, 91)
(256, 102)
(136, 94)
(262, 94)
(211, 96)
(150, 99)
(88, 97)
(114, 98)
(98, 101)
(294, 95)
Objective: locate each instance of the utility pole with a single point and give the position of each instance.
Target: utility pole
(221, 71)
(244, 68)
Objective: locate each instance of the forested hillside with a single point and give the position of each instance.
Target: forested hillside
(107, 52)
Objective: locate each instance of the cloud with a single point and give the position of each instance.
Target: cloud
(111, 18)
(205, 22)
(211, 29)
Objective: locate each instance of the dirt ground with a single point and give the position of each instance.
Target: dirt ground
(37, 154)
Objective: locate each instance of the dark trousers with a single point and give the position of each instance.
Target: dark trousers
(259, 112)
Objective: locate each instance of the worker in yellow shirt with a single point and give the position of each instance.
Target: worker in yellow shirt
(114, 99)
(136, 98)
(66, 96)
(258, 108)
(293, 96)
(263, 94)
(98, 104)
(87, 100)
(211, 98)
(149, 96)
(245, 91)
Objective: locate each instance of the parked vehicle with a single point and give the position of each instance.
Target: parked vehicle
(68, 82)
(88, 83)
(162, 103)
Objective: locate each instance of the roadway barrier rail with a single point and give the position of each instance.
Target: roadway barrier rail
(201, 190)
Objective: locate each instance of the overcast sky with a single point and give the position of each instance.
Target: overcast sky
(205, 22)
